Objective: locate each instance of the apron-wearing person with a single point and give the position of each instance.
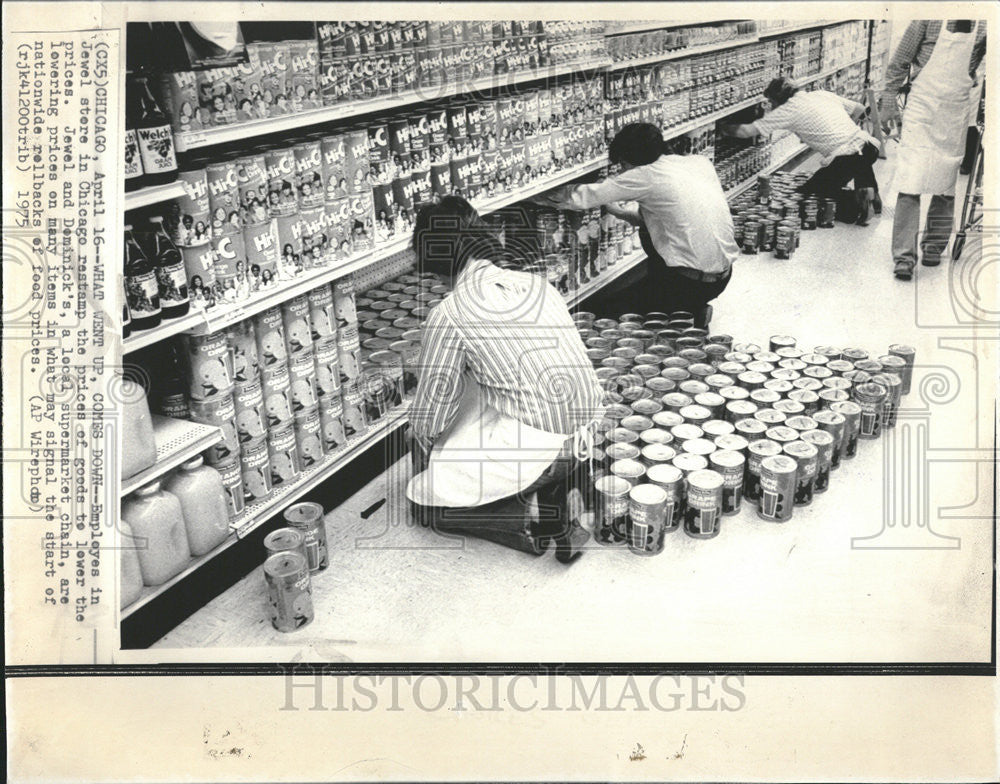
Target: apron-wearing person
(931, 147)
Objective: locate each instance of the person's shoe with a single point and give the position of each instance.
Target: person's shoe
(930, 261)
(903, 270)
(864, 197)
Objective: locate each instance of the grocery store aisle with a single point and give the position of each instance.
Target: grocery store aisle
(892, 564)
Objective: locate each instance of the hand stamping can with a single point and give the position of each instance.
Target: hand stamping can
(703, 510)
(611, 518)
(777, 488)
(232, 483)
(307, 517)
(648, 511)
(283, 455)
(288, 590)
(806, 457)
(908, 355)
(307, 437)
(757, 451)
(285, 540)
(730, 465)
(255, 468)
(872, 398)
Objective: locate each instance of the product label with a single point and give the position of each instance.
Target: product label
(133, 160)
(172, 280)
(156, 146)
(143, 295)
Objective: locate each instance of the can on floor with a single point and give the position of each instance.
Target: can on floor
(248, 403)
(285, 540)
(730, 464)
(835, 424)
(255, 469)
(648, 510)
(283, 455)
(307, 437)
(232, 484)
(851, 412)
(671, 479)
(894, 389)
(307, 518)
(781, 341)
(871, 397)
(806, 457)
(612, 506)
(777, 488)
(288, 591)
(801, 423)
(621, 450)
(824, 443)
(908, 355)
(703, 509)
(757, 451)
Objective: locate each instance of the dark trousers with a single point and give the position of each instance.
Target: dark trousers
(667, 290)
(828, 180)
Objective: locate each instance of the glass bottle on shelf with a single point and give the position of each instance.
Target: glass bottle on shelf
(126, 315)
(199, 489)
(156, 139)
(156, 516)
(170, 393)
(134, 174)
(170, 272)
(141, 287)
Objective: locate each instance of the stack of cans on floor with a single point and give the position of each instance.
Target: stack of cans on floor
(296, 554)
(696, 423)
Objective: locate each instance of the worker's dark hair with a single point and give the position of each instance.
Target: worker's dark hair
(448, 234)
(637, 144)
(780, 90)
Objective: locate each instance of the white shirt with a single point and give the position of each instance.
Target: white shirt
(682, 203)
(821, 120)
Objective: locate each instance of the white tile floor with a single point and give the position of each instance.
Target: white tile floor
(893, 563)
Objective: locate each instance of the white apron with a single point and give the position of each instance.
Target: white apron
(484, 456)
(932, 142)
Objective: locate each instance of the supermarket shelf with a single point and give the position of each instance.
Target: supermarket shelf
(193, 140)
(153, 195)
(736, 190)
(177, 440)
(224, 316)
(256, 514)
(796, 28)
(677, 54)
(612, 273)
(641, 27)
(832, 71)
(151, 592)
(698, 122)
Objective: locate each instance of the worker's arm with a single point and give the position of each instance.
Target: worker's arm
(899, 67)
(627, 186)
(855, 109)
(624, 213)
(439, 391)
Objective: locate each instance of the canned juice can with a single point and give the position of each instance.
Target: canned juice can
(190, 218)
(270, 334)
(806, 457)
(232, 483)
(612, 506)
(353, 416)
(277, 390)
(327, 366)
(307, 517)
(824, 443)
(255, 468)
(835, 424)
(297, 327)
(285, 540)
(357, 167)
(851, 412)
(703, 510)
(893, 385)
(309, 173)
(261, 243)
(302, 381)
(730, 465)
(777, 488)
(288, 591)
(307, 436)
(223, 197)
(248, 403)
(871, 397)
(331, 423)
(908, 355)
(283, 455)
(756, 452)
(199, 266)
(646, 526)
(210, 365)
(242, 341)
(671, 479)
(333, 162)
(282, 196)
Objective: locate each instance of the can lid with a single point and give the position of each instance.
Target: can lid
(696, 413)
(829, 417)
(667, 419)
(731, 442)
(764, 447)
(705, 479)
(718, 427)
(727, 458)
(637, 422)
(648, 494)
(689, 462)
(801, 423)
(656, 435)
(779, 464)
(285, 538)
(698, 446)
(782, 433)
(686, 431)
(734, 393)
(800, 449)
(621, 451)
(305, 513)
(821, 437)
(664, 474)
(285, 564)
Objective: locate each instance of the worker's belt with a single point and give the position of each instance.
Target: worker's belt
(702, 277)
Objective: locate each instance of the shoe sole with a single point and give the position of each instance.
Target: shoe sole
(925, 263)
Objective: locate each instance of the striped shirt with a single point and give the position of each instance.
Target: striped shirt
(915, 50)
(511, 333)
(820, 119)
(681, 203)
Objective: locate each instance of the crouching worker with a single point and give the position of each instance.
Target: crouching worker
(507, 397)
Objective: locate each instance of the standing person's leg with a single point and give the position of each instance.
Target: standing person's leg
(937, 229)
(905, 227)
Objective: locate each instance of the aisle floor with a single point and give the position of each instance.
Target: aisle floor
(893, 564)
